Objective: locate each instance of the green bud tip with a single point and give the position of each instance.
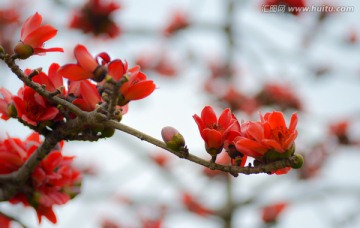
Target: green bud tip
(298, 162)
(173, 139)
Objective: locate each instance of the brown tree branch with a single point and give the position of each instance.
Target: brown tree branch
(10, 62)
(234, 170)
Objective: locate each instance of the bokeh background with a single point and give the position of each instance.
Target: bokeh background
(308, 63)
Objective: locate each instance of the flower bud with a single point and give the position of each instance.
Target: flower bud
(299, 161)
(107, 132)
(23, 51)
(2, 49)
(173, 139)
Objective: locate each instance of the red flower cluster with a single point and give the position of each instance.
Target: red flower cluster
(266, 140)
(53, 182)
(135, 85)
(33, 36)
(95, 17)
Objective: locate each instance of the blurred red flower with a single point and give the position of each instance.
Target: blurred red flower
(95, 17)
(194, 206)
(179, 20)
(271, 213)
(53, 182)
(340, 131)
(282, 96)
(9, 23)
(5, 104)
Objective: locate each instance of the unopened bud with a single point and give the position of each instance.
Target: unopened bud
(108, 132)
(298, 162)
(173, 139)
(23, 51)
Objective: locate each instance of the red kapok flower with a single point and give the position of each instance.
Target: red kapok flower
(32, 107)
(33, 36)
(212, 129)
(137, 87)
(95, 17)
(53, 181)
(87, 66)
(257, 138)
(271, 213)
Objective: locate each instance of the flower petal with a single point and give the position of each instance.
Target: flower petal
(250, 147)
(139, 90)
(212, 138)
(116, 69)
(31, 23)
(74, 72)
(84, 58)
(276, 119)
(208, 116)
(37, 37)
